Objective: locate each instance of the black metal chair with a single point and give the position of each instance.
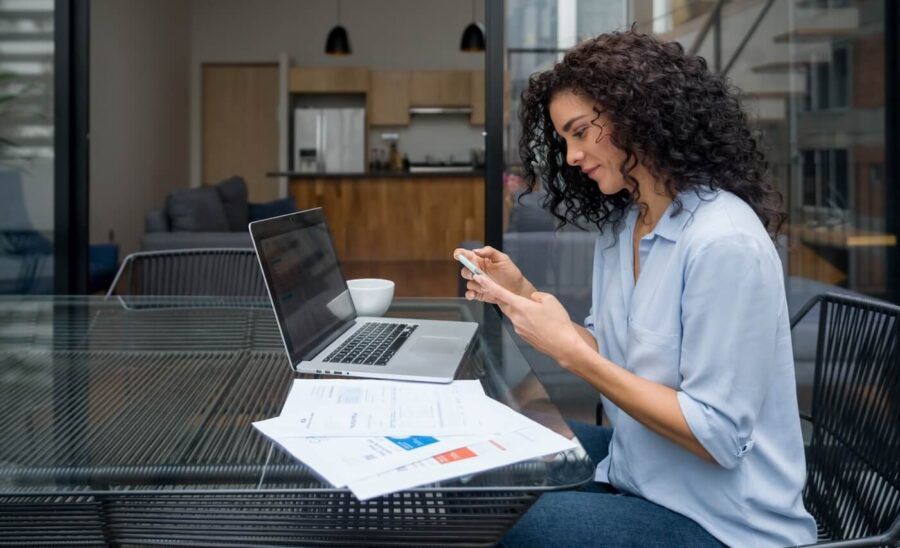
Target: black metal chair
(853, 458)
(223, 272)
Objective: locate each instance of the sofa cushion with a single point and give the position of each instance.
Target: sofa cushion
(233, 192)
(272, 209)
(528, 214)
(158, 241)
(196, 210)
(156, 220)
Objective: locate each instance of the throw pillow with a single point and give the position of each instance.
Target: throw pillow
(196, 210)
(233, 192)
(271, 209)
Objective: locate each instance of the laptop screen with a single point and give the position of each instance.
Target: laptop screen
(308, 290)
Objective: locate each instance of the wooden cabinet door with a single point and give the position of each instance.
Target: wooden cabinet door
(455, 88)
(424, 88)
(440, 88)
(329, 80)
(240, 126)
(389, 98)
(477, 116)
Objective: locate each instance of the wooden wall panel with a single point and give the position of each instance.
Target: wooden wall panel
(412, 278)
(397, 219)
(240, 126)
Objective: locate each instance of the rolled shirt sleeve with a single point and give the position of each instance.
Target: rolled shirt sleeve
(730, 314)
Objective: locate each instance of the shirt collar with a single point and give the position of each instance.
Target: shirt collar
(670, 227)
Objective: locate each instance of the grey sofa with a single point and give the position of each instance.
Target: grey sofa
(207, 217)
(556, 261)
(165, 239)
(560, 263)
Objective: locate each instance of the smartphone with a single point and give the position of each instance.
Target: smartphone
(469, 264)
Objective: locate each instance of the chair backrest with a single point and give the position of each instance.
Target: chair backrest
(853, 468)
(190, 272)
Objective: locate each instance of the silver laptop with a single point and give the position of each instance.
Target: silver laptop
(319, 325)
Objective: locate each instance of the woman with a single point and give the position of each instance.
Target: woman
(688, 338)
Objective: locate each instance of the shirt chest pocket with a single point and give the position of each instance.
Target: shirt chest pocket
(652, 354)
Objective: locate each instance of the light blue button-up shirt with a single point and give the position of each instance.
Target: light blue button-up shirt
(707, 317)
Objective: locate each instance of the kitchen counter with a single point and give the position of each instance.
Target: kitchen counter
(396, 216)
(377, 175)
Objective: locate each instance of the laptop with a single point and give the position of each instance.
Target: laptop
(318, 323)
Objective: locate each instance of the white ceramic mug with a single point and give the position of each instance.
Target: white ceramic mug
(371, 296)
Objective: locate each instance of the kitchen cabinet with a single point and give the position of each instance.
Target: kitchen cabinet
(440, 88)
(391, 93)
(370, 215)
(478, 100)
(329, 80)
(388, 98)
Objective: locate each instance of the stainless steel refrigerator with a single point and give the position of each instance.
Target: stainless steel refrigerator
(330, 140)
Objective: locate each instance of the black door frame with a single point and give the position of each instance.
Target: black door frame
(494, 55)
(493, 229)
(71, 106)
(892, 142)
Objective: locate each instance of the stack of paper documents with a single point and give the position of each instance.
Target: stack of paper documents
(376, 437)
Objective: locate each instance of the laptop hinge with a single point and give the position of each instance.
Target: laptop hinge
(328, 340)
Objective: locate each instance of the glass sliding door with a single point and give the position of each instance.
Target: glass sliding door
(812, 78)
(26, 146)
(537, 35)
(538, 32)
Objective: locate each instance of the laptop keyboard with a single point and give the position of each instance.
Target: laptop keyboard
(373, 344)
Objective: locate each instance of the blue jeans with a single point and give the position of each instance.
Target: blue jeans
(597, 515)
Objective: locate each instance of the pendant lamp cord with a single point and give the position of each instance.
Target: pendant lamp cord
(474, 19)
(338, 12)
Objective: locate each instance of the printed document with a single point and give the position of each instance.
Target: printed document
(499, 450)
(362, 408)
(342, 460)
(378, 437)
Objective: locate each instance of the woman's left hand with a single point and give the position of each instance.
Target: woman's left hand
(541, 320)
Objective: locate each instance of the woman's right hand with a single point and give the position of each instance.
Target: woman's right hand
(499, 267)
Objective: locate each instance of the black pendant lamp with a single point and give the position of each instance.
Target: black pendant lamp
(473, 36)
(338, 42)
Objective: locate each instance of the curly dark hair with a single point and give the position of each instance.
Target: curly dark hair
(668, 111)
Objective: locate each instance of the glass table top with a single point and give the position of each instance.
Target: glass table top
(158, 395)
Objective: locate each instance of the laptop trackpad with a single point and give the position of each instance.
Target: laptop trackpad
(436, 345)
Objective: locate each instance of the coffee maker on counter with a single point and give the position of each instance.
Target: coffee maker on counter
(396, 161)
